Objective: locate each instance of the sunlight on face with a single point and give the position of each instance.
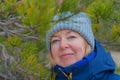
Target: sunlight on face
(68, 47)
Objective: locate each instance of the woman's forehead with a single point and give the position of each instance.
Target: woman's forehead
(65, 31)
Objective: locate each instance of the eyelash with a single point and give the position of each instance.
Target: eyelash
(57, 40)
(54, 41)
(71, 37)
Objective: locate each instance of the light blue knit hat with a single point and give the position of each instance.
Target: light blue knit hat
(80, 23)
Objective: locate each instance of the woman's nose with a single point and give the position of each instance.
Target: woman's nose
(64, 44)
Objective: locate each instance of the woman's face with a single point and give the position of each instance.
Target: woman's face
(68, 47)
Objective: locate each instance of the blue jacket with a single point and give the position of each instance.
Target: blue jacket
(97, 66)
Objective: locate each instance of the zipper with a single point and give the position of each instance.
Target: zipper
(69, 77)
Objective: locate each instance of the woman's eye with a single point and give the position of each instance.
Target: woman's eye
(54, 41)
(71, 37)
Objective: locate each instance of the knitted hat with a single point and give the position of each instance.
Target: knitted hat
(79, 23)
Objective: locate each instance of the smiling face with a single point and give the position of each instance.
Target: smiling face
(68, 47)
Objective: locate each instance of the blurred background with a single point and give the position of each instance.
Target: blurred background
(24, 23)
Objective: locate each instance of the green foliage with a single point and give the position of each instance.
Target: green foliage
(3, 11)
(105, 18)
(2, 39)
(69, 5)
(101, 9)
(13, 41)
(116, 31)
(118, 71)
(37, 13)
(28, 59)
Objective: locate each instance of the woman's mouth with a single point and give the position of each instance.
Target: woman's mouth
(66, 55)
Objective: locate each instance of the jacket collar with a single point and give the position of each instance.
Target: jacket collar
(97, 62)
(74, 68)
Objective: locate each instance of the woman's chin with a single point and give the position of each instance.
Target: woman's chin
(68, 63)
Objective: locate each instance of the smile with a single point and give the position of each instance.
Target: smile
(66, 55)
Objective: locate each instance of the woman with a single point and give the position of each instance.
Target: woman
(75, 54)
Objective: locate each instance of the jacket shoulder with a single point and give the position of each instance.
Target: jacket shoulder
(114, 77)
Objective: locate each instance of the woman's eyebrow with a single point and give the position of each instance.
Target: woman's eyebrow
(69, 32)
(54, 36)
